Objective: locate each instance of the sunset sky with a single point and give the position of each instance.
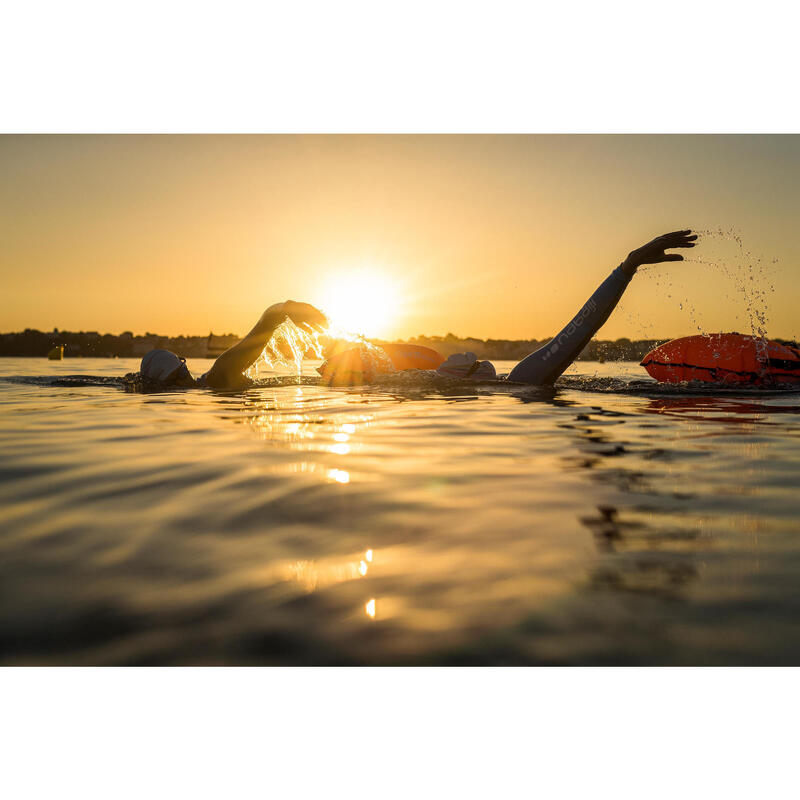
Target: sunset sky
(490, 236)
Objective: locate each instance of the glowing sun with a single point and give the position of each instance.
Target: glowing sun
(364, 302)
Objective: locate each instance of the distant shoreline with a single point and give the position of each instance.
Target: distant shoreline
(33, 343)
(92, 344)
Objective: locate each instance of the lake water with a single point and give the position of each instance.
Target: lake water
(603, 521)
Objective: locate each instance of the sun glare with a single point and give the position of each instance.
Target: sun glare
(364, 302)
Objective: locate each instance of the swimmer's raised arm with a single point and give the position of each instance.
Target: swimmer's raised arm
(548, 362)
(228, 368)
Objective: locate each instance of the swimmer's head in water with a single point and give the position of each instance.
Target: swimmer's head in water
(166, 368)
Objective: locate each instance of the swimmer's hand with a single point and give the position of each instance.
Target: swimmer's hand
(302, 314)
(653, 252)
(227, 371)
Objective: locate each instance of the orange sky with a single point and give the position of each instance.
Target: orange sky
(491, 236)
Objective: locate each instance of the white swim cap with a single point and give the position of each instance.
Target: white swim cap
(162, 365)
(466, 365)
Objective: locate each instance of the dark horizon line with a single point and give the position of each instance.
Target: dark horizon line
(408, 339)
(32, 343)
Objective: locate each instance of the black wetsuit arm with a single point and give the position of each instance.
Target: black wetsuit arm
(549, 361)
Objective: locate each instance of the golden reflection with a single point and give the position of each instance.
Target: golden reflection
(339, 475)
(292, 429)
(368, 555)
(370, 608)
(329, 474)
(297, 467)
(312, 575)
(291, 419)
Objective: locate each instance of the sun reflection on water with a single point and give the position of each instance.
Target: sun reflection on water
(313, 575)
(339, 475)
(289, 418)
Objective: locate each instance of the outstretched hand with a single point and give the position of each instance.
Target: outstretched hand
(299, 313)
(653, 252)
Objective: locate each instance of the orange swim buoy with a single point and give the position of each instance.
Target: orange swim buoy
(362, 364)
(724, 358)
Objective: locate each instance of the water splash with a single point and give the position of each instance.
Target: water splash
(750, 275)
(286, 349)
(752, 278)
(290, 344)
(746, 289)
(374, 357)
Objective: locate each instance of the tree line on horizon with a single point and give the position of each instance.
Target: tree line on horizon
(33, 343)
(623, 349)
(92, 344)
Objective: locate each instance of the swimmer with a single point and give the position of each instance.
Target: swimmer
(166, 369)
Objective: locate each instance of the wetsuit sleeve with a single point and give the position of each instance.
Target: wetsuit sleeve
(549, 361)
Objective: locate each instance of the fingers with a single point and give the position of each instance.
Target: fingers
(679, 239)
(303, 313)
(673, 257)
(318, 319)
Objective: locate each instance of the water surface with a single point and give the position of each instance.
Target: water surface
(598, 522)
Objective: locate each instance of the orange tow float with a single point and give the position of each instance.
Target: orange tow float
(362, 364)
(724, 358)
